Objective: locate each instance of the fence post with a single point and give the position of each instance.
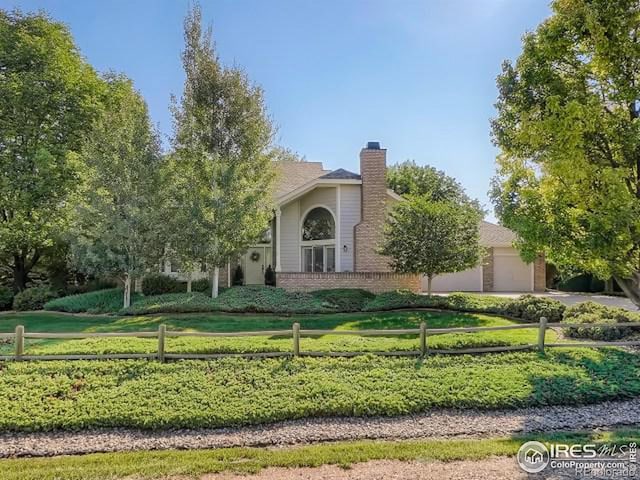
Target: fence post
(296, 339)
(19, 342)
(423, 339)
(541, 333)
(162, 331)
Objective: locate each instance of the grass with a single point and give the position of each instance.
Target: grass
(51, 322)
(193, 463)
(232, 391)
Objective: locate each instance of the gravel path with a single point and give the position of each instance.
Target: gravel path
(495, 468)
(435, 424)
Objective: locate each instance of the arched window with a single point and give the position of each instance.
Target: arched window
(319, 230)
(318, 225)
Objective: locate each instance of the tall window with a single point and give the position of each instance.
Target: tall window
(318, 241)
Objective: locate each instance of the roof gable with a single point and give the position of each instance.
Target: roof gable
(492, 235)
(341, 174)
(292, 175)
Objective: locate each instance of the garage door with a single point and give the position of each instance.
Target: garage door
(510, 273)
(466, 281)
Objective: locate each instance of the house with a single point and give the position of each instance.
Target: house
(327, 227)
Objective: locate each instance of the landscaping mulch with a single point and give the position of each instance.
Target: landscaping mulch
(435, 424)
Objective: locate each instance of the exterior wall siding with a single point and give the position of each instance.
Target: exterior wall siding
(319, 196)
(375, 282)
(350, 216)
(289, 240)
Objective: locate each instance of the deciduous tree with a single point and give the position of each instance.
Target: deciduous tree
(119, 223)
(222, 146)
(431, 238)
(49, 97)
(409, 178)
(568, 128)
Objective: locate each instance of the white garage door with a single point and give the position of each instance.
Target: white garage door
(510, 273)
(466, 281)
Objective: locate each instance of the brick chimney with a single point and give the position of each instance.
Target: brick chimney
(369, 232)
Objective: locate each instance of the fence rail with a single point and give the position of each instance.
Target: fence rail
(296, 333)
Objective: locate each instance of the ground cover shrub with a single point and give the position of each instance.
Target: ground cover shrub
(33, 298)
(530, 308)
(59, 395)
(591, 313)
(171, 303)
(6, 298)
(99, 301)
(269, 300)
(158, 284)
(344, 299)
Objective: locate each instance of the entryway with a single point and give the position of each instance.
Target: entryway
(256, 261)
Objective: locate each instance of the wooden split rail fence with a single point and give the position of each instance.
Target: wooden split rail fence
(296, 333)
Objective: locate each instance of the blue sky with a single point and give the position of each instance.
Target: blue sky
(418, 76)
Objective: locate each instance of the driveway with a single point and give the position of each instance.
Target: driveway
(571, 298)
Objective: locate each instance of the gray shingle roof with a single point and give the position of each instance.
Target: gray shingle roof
(492, 235)
(341, 174)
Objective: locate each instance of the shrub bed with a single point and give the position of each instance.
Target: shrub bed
(258, 299)
(6, 298)
(36, 396)
(591, 313)
(158, 284)
(33, 298)
(100, 301)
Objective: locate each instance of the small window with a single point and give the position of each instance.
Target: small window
(175, 266)
(318, 225)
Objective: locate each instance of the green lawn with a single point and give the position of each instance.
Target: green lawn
(53, 322)
(193, 463)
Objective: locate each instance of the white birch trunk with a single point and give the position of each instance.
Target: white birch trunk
(214, 282)
(189, 281)
(127, 291)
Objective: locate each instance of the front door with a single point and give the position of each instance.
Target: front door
(257, 259)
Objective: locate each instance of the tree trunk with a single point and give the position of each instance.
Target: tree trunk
(429, 278)
(127, 291)
(21, 268)
(189, 281)
(630, 287)
(214, 282)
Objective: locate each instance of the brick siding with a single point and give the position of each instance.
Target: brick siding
(487, 271)
(369, 232)
(375, 282)
(539, 274)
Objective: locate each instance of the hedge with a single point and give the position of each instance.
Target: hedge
(6, 298)
(33, 298)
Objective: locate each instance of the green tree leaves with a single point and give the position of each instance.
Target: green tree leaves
(49, 97)
(568, 177)
(431, 238)
(222, 141)
(119, 220)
